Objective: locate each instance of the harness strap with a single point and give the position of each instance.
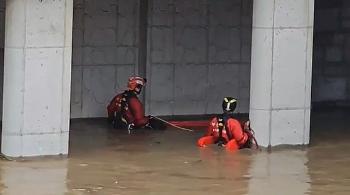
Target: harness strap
(222, 123)
(221, 126)
(251, 135)
(125, 104)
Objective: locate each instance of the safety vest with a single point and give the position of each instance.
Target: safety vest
(120, 104)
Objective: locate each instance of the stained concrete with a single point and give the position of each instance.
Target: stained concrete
(107, 161)
(204, 49)
(105, 52)
(183, 37)
(37, 77)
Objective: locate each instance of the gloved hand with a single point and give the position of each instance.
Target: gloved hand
(221, 142)
(154, 123)
(131, 126)
(148, 126)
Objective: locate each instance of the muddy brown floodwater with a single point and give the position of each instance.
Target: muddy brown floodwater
(106, 161)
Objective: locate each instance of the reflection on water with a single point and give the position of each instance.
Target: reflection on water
(39, 178)
(103, 161)
(280, 172)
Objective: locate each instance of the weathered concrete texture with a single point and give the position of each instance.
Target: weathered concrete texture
(105, 53)
(97, 90)
(37, 77)
(281, 71)
(331, 70)
(203, 47)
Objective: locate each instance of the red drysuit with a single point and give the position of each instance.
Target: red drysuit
(236, 138)
(129, 107)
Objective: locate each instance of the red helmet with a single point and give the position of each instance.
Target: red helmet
(136, 83)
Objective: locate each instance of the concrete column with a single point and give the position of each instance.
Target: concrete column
(281, 69)
(38, 47)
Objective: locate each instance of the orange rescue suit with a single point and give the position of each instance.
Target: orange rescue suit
(132, 111)
(235, 139)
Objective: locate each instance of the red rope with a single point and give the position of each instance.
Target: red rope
(190, 123)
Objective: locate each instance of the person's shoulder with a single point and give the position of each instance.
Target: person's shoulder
(134, 99)
(233, 121)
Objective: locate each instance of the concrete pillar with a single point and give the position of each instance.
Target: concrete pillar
(38, 47)
(281, 69)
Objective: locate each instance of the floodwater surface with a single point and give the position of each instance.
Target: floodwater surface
(111, 162)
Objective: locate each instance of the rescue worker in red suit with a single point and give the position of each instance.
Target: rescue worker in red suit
(226, 131)
(126, 110)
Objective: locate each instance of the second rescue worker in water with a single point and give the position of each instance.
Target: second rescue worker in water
(226, 131)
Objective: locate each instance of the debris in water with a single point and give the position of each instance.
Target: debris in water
(97, 188)
(79, 189)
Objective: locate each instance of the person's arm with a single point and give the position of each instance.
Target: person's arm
(211, 127)
(138, 112)
(236, 131)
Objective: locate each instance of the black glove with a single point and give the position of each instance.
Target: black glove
(221, 141)
(156, 124)
(148, 126)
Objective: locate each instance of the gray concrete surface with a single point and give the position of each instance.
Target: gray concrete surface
(281, 71)
(198, 52)
(37, 79)
(105, 53)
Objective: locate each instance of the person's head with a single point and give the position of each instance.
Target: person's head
(229, 104)
(136, 83)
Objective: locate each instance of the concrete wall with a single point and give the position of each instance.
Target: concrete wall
(199, 52)
(331, 64)
(104, 53)
(188, 40)
(206, 37)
